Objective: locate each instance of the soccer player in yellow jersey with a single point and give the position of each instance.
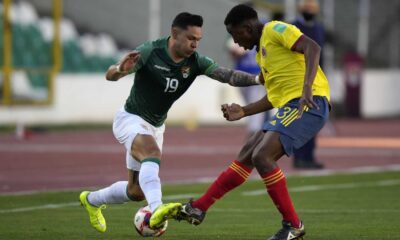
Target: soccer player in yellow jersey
(299, 89)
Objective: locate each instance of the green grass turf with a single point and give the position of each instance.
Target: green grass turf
(369, 209)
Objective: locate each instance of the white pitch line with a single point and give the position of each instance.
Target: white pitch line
(321, 187)
(354, 170)
(322, 211)
(113, 148)
(304, 173)
(307, 188)
(73, 204)
(178, 149)
(40, 207)
(181, 196)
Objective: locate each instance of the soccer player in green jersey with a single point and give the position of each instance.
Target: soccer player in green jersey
(164, 69)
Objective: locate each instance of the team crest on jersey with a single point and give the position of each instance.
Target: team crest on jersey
(185, 71)
(263, 52)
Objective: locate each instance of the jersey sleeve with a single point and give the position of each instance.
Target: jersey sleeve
(206, 65)
(145, 50)
(283, 34)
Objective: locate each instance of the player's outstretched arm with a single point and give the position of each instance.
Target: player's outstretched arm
(235, 78)
(235, 112)
(122, 68)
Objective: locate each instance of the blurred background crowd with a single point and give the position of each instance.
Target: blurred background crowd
(54, 53)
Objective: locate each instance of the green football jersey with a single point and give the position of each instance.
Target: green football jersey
(159, 81)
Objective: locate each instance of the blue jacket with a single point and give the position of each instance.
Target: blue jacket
(315, 31)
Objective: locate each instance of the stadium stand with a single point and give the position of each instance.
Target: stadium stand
(32, 50)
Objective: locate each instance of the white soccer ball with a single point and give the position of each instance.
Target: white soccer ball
(141, 221)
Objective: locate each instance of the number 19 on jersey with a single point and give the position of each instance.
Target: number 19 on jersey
(172, 85)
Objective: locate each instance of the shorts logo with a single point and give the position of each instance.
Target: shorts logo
(185, 71)
(283, 113)
(290, 118)
(287, 116)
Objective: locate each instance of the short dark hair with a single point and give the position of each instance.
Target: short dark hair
(240, 13)
(185, 19)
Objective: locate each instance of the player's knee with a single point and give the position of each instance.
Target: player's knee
(245, 155)
(145, 148)
(262, 161)
(153, 154)
(135, 194)
(152, 151)
(245, 152)
(148, 153)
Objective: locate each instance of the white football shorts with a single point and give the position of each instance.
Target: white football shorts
(125, 128)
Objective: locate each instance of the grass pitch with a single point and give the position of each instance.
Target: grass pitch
(350, 206)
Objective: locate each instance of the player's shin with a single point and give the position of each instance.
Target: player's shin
(150, 182)
(234, 176)
(275, 183)
(114, 194)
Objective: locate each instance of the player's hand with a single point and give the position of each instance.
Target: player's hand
(306, 100)
(129, 61)
(232, 112)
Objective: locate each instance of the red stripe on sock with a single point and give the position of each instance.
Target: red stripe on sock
(277, 190)
(232, 177)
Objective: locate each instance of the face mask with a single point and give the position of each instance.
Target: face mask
(308, 16)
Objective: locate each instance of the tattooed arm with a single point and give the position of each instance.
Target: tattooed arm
(235, 78)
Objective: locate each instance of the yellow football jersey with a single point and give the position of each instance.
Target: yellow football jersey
(284, 69)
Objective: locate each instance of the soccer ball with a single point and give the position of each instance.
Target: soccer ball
(141, 222)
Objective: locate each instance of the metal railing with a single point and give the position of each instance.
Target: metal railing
(8, 68)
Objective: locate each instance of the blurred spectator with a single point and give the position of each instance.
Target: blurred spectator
(304, 157)
(353, 67)
(278, 16)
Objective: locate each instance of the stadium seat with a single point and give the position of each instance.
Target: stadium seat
(22, 87)
(32, 44)
(38, 80)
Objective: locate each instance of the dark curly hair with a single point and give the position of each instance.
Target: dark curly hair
(240, 13)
